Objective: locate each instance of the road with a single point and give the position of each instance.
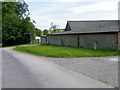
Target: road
(20, 70)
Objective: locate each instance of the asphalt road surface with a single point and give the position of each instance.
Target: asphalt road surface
(20, 70)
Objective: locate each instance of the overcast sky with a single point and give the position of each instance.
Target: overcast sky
(60, 11)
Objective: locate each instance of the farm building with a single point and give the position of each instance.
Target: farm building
(102, 34)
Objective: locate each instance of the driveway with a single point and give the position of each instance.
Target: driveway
(104, 69)
(22, 70)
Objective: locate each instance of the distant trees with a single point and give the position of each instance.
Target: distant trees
(38, 32)
(45, 32)
(15, 23)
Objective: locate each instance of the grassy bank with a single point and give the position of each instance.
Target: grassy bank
(64, 52)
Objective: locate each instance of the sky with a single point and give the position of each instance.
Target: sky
(44, 12)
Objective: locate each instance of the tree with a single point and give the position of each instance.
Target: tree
(38, 32)
(45, 32)
(15, 23)
(20, 8)
(28, 27)
(53, 27)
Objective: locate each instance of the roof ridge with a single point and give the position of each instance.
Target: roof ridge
(93, 21)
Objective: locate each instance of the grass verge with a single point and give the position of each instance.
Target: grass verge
(18, 45)
(64, 52)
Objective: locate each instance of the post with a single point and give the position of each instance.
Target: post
(78, 40)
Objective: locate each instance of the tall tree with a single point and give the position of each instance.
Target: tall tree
(15, 23)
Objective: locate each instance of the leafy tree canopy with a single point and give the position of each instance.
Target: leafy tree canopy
(45, 32)
(15, 23)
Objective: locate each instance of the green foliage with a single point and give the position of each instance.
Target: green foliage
(38, 32)
(20, 8)
(11, 30)
(15, 23)
(65, 52)
(55, 31)
(45, 32)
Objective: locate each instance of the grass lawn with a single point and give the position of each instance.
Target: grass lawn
(64, 52)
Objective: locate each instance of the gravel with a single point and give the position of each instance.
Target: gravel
(104, 69)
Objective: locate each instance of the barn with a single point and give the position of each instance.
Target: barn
(100, 34)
